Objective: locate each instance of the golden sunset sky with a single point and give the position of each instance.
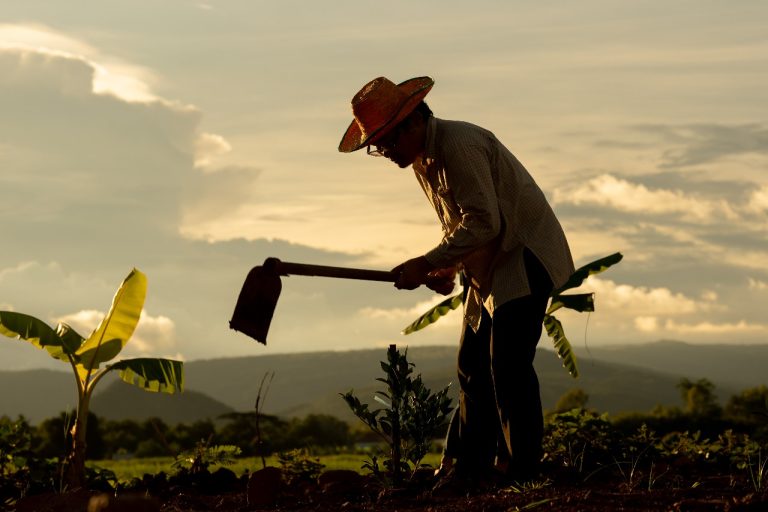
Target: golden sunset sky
(193, 139)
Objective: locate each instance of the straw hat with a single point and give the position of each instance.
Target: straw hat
(379, 106)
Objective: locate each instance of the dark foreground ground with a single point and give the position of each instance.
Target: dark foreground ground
(683, 490)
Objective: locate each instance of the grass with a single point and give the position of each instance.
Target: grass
(126, 469)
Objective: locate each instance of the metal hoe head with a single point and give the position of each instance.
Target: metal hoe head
(261, 289)
(256, 303)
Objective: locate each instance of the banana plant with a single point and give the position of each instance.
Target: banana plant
(86, 355)
(578, 301)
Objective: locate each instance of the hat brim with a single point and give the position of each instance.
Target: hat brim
(415, 88)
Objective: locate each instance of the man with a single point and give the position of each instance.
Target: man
(500, 232)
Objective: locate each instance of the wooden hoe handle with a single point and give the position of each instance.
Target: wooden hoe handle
(285, 268)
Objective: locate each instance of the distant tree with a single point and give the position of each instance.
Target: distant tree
(240, 430)
(53, 435)
(186, 436)
(750, 410)
(699, 397)
(750, 405)
(575, 398)
(319, 430)
(121, 436)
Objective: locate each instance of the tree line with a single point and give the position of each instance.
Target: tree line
(263, 434)
(745, 412)
(255, 434)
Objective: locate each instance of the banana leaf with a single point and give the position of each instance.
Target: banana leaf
(60, 343)
(578, 301)
(434, 314)
(562, 345)
(118, 325)
(582, 273)
(152, 374)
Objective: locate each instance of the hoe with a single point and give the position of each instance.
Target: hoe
(261, 289)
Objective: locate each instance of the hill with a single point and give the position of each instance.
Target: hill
(311, 382)
(734, 366)
(119, 401)
(41, 394)
(611, 387)
(36, 394)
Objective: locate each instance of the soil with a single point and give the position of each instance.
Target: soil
(341, 491)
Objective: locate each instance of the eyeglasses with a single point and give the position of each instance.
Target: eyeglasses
(388, 143)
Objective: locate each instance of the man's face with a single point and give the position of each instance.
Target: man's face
(402, 145)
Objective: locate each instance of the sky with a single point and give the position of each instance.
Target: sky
(193, 139)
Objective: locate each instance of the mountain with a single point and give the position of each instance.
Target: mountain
(311, 382)
(120, 401)
(611, 387)
(41, 394)
(620, 378)
(736, 366)
(37, 394)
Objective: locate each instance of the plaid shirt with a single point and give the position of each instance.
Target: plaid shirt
(490, 209)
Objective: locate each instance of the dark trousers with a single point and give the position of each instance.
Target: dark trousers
(499, 410)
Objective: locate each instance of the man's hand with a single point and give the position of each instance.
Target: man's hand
(442, 280)
(413, 273)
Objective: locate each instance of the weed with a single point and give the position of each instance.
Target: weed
(197, 461)
(579, 439)
(298, 467)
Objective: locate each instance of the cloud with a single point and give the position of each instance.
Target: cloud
(758, 200)
(714, 328)
(100, 168)
(110, 75)
(647, 323)
(609, 191)
(707, 143)
(408, 315)
(640, 300)
(756, 284)
(652, 324)
(208, 146)
(154, 335)
(214, 196)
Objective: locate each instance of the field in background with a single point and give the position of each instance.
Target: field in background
(126, 469)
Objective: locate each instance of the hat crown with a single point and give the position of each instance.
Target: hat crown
(379, 106)
(376, 103)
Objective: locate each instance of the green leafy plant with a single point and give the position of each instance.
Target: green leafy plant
(197, 460)
(579, 302)
(411, 417)
(21, 470)
(642, 446)
(751, 457)
(85, 355)
(297, 466)
(579, 440)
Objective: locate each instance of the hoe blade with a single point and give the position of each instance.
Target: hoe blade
(256, 303)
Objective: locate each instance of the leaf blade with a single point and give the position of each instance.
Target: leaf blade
(152, 374)
(562, 345)
(109, 338)
(580, 302)
(28, 328)
(591, 268)
(434, 314)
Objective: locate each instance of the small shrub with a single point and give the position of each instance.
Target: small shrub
(411, 418)
(198, 460)
(298, 467)
(579, 439)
